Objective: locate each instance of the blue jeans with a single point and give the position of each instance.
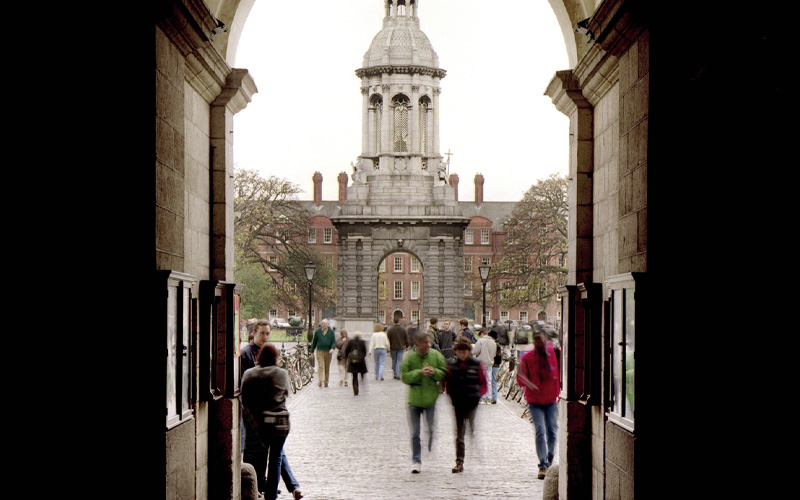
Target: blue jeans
(268, 466)
(286, 473)
(545, 422)
(414, 414)
(380, 359)
(487, 371)
(397, 359)
(494, 383)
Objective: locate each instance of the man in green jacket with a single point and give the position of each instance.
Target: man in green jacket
(324, 342)
(422, 370)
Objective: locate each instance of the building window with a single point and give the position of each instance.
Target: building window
(273, 260)
(622, 397)
(468, 264)
(382, 267)
(381, 317)
(291, 313)
(523, 316)
(312, 235)
(398, 264)
(400, 137)
(484, 236)
(329, 261)
(414, 264)
(273, 313)
(415, 317)
(383, 289)
(414, 290)
(398, 290)
(328, 235)
(486, 261)
(468, 236)
(467, 288)
(503, 316)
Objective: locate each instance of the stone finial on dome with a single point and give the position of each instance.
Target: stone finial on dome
(406, 8)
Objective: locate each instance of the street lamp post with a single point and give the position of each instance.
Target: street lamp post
(484, 270)
(310, 269)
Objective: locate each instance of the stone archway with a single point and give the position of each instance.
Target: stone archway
(363, 244)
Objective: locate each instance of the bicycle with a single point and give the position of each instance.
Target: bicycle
(303, 364)
(287, 361)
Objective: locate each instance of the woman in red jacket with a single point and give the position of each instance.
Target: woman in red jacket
(538, 374)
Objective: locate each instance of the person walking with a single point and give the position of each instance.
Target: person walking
(498, 360)
(265, 388)
(466, 384)
(446, 339)
(355, 352)
(434, 333)
(465, 331)
(323, 343)
(398, 344)
(422, 370)
(341, 361)
(485, 349)
(538, 373)
(378, 345)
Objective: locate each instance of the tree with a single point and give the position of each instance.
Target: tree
(258, 291)
(271, 230)
(533, 264)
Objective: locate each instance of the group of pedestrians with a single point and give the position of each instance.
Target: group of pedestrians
(469, 378)
(432, 362)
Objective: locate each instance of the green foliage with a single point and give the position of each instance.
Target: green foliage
(258, 291)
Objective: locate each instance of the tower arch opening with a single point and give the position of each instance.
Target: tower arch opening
(400, 287)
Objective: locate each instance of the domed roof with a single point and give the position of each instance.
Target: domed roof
(400, 43)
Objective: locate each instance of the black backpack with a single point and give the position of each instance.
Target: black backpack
(521, 336)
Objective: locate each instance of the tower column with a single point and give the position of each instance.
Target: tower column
(413, 120)
(386, 125)
(436, 92)
(365, 121)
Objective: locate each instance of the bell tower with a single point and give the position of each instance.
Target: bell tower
(399, 199)
(400, 79)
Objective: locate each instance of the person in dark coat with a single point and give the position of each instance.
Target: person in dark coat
(355, 354)
(446, 338)
(466, 383)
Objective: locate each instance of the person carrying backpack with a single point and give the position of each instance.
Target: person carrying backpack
(355, 352)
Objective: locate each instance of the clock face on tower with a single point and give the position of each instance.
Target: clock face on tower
(400, 164)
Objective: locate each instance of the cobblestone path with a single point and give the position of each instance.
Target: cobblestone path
(346, 447)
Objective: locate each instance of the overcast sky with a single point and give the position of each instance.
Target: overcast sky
(494, 117)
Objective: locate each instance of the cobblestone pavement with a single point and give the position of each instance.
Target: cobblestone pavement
(346, 447)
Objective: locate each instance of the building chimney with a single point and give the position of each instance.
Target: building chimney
(342, 187)
(454, 183)
(317, 178)
(478, 190)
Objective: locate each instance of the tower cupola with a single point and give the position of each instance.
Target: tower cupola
(400, 87)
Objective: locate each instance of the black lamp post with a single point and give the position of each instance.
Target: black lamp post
(310, 270)
(484, 270)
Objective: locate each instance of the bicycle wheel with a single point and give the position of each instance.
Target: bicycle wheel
(513, 388)
(295, 380)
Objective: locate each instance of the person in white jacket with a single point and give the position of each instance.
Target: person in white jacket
(378, 346)
(485, 349)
